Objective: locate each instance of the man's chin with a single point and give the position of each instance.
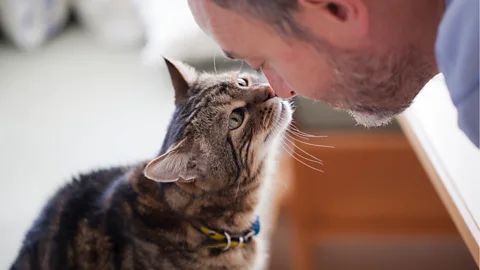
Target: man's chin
(371, 120)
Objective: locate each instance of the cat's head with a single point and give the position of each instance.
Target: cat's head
(222, 131)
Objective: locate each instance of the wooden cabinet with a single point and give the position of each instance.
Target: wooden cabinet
(372, 184)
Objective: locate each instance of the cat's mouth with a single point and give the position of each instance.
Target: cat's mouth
(280, 119)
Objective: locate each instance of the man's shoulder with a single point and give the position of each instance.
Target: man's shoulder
(457, 50)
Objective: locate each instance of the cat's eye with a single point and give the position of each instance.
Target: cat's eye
(236, 119)
(242, 82)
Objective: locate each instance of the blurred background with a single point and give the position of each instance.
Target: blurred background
(83, 86)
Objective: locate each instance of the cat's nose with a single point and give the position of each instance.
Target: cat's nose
(264, 93)
(269, 93)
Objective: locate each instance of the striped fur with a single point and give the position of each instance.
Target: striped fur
(120, 219)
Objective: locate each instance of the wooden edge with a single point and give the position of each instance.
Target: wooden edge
(461, 216)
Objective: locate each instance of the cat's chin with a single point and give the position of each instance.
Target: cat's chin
(285, 117)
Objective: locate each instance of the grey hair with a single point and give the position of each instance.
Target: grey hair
(279, 14)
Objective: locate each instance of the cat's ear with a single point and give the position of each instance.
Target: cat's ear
(179, 163)
(183, 76)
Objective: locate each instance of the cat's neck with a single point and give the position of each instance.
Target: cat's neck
(231, 209)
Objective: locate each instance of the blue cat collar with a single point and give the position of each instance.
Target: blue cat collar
(256, 226)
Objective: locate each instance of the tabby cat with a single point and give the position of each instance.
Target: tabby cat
(192, 207)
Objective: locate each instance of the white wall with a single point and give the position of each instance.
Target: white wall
(68, 108)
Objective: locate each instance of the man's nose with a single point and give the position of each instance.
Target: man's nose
(279, 85)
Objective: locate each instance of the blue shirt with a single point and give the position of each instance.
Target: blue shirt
(457, 55)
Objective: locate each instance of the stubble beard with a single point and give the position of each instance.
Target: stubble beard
(374, 88)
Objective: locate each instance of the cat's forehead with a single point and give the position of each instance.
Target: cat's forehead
(208, 79)
(233, 76)
(223, 83)
(213, 86)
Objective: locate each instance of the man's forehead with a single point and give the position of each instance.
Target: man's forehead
(197, 8)
(237, 34)
(207, 15)
(214, 20)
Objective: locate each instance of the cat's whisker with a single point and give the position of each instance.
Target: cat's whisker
(300, 156)
(292, 151)
(311, 144)
(307, 134)
(241, 65)
(292, 104)
(297, 159)
(291, 132)
(303, 151)
(276, 127)
(214, 63)
(295, 129)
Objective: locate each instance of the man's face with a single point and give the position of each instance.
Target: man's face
(373, 83)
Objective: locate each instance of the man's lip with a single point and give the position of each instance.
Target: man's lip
(285, 92)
